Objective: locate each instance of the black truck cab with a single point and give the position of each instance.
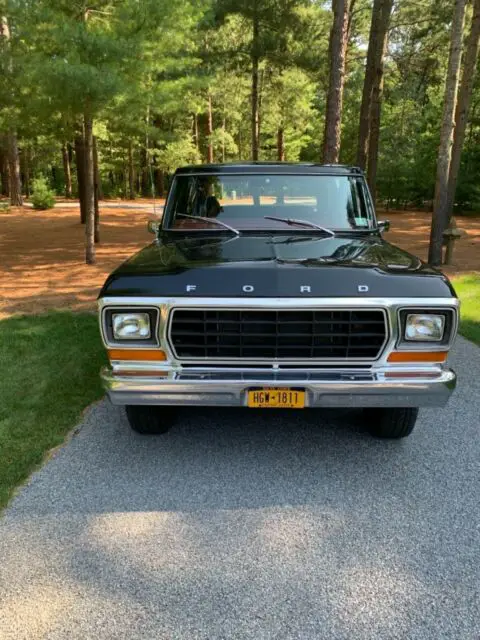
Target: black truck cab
(271, 285)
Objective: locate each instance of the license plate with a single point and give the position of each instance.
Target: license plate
(276, 398)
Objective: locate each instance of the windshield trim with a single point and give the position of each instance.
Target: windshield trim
(358, 178)
(279, 231)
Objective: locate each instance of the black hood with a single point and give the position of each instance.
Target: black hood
(265, 265)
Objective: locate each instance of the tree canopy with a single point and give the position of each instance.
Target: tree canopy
(169, 83)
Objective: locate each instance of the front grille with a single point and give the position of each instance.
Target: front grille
(289, 335)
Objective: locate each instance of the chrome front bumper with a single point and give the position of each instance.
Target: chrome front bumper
(383, 387)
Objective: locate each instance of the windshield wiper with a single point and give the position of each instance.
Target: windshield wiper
(303, 223)
(212, 220)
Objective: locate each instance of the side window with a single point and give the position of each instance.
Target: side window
(362, 214)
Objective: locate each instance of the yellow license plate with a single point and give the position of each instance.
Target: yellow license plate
(276, 398)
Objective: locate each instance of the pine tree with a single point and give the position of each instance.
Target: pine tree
(66, 170)
(440, 207)
(463, 104)
(372, 87)
(377, 96)
(337, 51)
(13, 160)
(271, 22)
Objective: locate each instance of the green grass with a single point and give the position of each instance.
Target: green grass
(468, 290)
(49, 367)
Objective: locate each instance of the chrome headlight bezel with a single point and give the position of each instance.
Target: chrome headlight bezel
(448, 325)
(109, 331)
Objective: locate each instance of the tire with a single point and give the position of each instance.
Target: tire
(391, 423)
(150, 420)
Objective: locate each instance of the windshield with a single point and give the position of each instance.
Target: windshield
(248, 202)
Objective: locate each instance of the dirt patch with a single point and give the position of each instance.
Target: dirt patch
(42, 262)
(411, 231)
(42, 253)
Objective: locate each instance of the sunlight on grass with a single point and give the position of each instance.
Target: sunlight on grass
(468, 290)
(49, 365)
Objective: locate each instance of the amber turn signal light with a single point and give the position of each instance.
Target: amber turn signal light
(146, 355)
(418, 356)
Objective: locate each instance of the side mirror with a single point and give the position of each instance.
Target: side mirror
(384, 225)
(153, 226)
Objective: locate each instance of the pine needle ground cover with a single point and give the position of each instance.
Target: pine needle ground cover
(49, 374)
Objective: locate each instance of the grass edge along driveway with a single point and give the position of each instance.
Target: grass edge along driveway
(49, 366)
(468, 290)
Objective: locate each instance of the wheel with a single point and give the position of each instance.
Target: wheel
(391, 423)
(150, 420)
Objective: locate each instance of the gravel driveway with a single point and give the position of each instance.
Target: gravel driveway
(243, 524)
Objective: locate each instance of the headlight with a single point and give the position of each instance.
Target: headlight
(131, 326)
(423, 327)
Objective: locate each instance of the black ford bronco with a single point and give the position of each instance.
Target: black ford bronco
(270, 285)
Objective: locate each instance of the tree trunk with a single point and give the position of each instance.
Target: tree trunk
(337, 50)
(26, 171)
(13, 160)
(15, 184)
(224, 130)
(280, 144)
(89, 191)
(97, 190)
(209, 130)
(4, 171)
(80, 161)
(261, 83)
(98, 177)
(471, 129)
(373, 143)
(66, 170)
(350, 18)
(147, 186)
(463, 105)
(196, 139)
(369, 129)
(440, 205)
(131, 173)
(240, 144)
(377, 94)
(96, 217)
(364, 124)
(144, 186)
(255, 93)
(123, 178)
(160, 182)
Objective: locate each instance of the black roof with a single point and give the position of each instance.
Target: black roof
(271, 167)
